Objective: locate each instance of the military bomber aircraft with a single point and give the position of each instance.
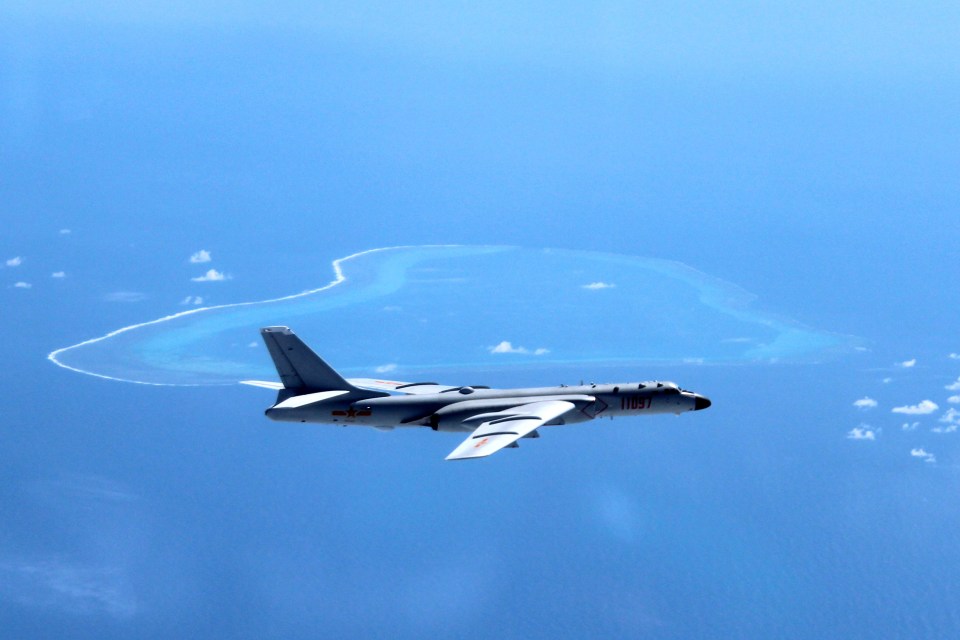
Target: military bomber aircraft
(311, 391)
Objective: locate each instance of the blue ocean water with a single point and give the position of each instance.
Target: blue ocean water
(808, 156)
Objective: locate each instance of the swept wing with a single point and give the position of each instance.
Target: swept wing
(500, 429)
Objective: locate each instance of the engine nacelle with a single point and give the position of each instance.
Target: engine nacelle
(451, 417)
(451, 422)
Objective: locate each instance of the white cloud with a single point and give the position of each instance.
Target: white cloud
(507, 347)
(954, 399)
(954, 356)
(953, 386)
(951, 416)
(200, 257)
(125, 296)
(887, 380)
(863, 432)
(921, 453)
(386, 368)
(910, 426)
(65, 232)
(594, 286)
(922, 409)
(58, 274)
(211, 276)
(194, 300)
(253, 344)
(906, 364)
(15, 262)
(22, 285)
(865, 403)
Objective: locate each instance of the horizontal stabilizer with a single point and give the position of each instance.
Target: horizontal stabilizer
(295, 402)
(276, 386)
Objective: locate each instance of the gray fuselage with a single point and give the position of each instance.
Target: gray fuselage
(450, 410)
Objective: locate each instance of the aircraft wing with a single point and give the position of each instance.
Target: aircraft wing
(400, 387)
(500, 429)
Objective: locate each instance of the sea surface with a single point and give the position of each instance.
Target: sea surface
(759, 204)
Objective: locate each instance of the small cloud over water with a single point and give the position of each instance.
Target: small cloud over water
(951, 417)
(201, 256)
(211, 276)
(507, 347)
(863, 432)
(923, 408)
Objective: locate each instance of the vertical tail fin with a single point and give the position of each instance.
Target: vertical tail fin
(300, 369)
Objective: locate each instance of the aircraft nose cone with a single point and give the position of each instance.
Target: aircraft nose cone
(701, 402)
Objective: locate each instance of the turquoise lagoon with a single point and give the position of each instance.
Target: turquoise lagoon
(407, 312)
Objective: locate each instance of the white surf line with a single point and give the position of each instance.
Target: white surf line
(338, 279)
